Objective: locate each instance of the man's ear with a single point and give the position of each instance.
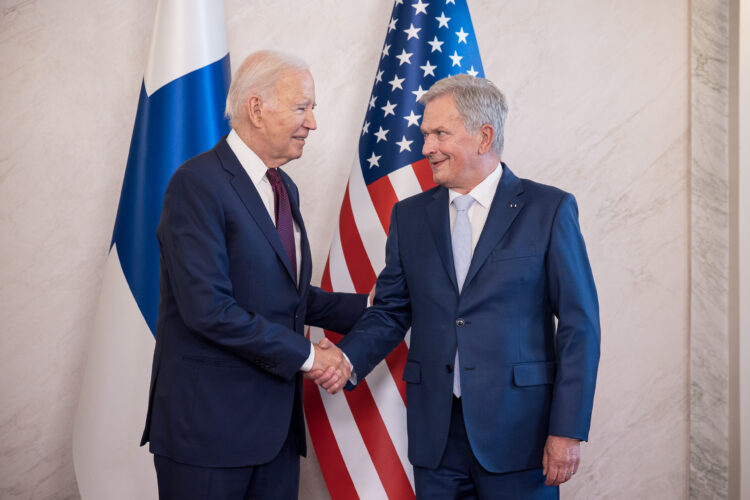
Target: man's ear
(487, 135)
(254, 110)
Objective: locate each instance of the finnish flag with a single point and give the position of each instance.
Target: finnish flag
(180, 114)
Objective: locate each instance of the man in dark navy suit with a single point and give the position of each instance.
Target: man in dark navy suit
(491, 274)
(225, 416)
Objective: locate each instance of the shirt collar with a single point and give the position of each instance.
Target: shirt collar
(484, 192)
(252, 164)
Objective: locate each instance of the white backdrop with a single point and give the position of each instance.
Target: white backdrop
(598, 93)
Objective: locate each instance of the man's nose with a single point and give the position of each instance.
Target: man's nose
(310, 122)
(429, 145)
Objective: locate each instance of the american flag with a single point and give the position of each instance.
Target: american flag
(360, 438)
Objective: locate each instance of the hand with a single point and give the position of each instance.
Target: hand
(372, 295)
(561, 458)
(330, 369)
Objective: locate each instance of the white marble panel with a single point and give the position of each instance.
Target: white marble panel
(709, 304)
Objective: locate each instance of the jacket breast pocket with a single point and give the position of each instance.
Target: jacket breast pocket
(528, 374)
(412, 372)
(514, 252)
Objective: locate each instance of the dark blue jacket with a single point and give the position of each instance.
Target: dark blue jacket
(229, 339)
(522, 375)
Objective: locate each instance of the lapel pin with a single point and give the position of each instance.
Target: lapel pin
(513, 205)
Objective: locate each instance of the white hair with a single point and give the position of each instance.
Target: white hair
(478, 102)
(258, 74)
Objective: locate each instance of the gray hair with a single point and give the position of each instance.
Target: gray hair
(478, 102)
(258, 74)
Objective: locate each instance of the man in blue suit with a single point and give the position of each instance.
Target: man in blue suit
(490, 272)
(225, 415)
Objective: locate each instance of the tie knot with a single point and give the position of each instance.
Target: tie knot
(463, 202)
(274, 176)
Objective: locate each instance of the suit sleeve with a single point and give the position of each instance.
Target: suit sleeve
(383, 325)
(334, 311)
(574, 301)
(192, 239)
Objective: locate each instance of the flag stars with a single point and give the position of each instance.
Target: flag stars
(372, 102)
(428, 69)
(436, 45)
(443, 20)
(404, 145)
(392, 24)
(419, 92)
(472, 72)
(449, 1)
(461, 35)
(374, 159)
(379, 76)
(366, 128)
(381, 135)
(396, 83)
(420, 7)
(456, 59)
(412, 118)
(412, 32)
(386, 48)
(388, 109)
(404, 57)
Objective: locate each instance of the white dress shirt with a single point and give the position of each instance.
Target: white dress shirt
(483, 194)
(256, 169)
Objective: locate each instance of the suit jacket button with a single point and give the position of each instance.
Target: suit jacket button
(460, 322)
(449, 368)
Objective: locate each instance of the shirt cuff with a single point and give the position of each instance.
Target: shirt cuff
(352, 376)
(308, 364)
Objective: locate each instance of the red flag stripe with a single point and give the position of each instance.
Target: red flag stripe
(357, 263)
(365, 412)
(332, 464)
(366, 217)
(395, 362)
(356, 260)
(383, 198)
(378, 443)
(423, 171)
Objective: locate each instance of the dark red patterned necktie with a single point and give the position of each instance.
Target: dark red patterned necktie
(284, 219)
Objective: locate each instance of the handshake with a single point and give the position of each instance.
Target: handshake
(330, 370)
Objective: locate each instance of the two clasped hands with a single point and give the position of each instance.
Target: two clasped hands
(331, 369)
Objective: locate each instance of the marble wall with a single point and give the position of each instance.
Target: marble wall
(599, 105)
(710, 253)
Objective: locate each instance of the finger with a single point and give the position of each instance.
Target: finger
(325, 376)
(555, 476)
(334, 386)
(325, 343)
(335, 389)
(545, 460)
(334, 380)
(567, 476)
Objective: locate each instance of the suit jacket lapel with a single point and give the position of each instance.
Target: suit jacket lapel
(506, 205)
(251, 199)
(437, 218)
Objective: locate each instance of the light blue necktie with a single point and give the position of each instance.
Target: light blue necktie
(461, 242)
